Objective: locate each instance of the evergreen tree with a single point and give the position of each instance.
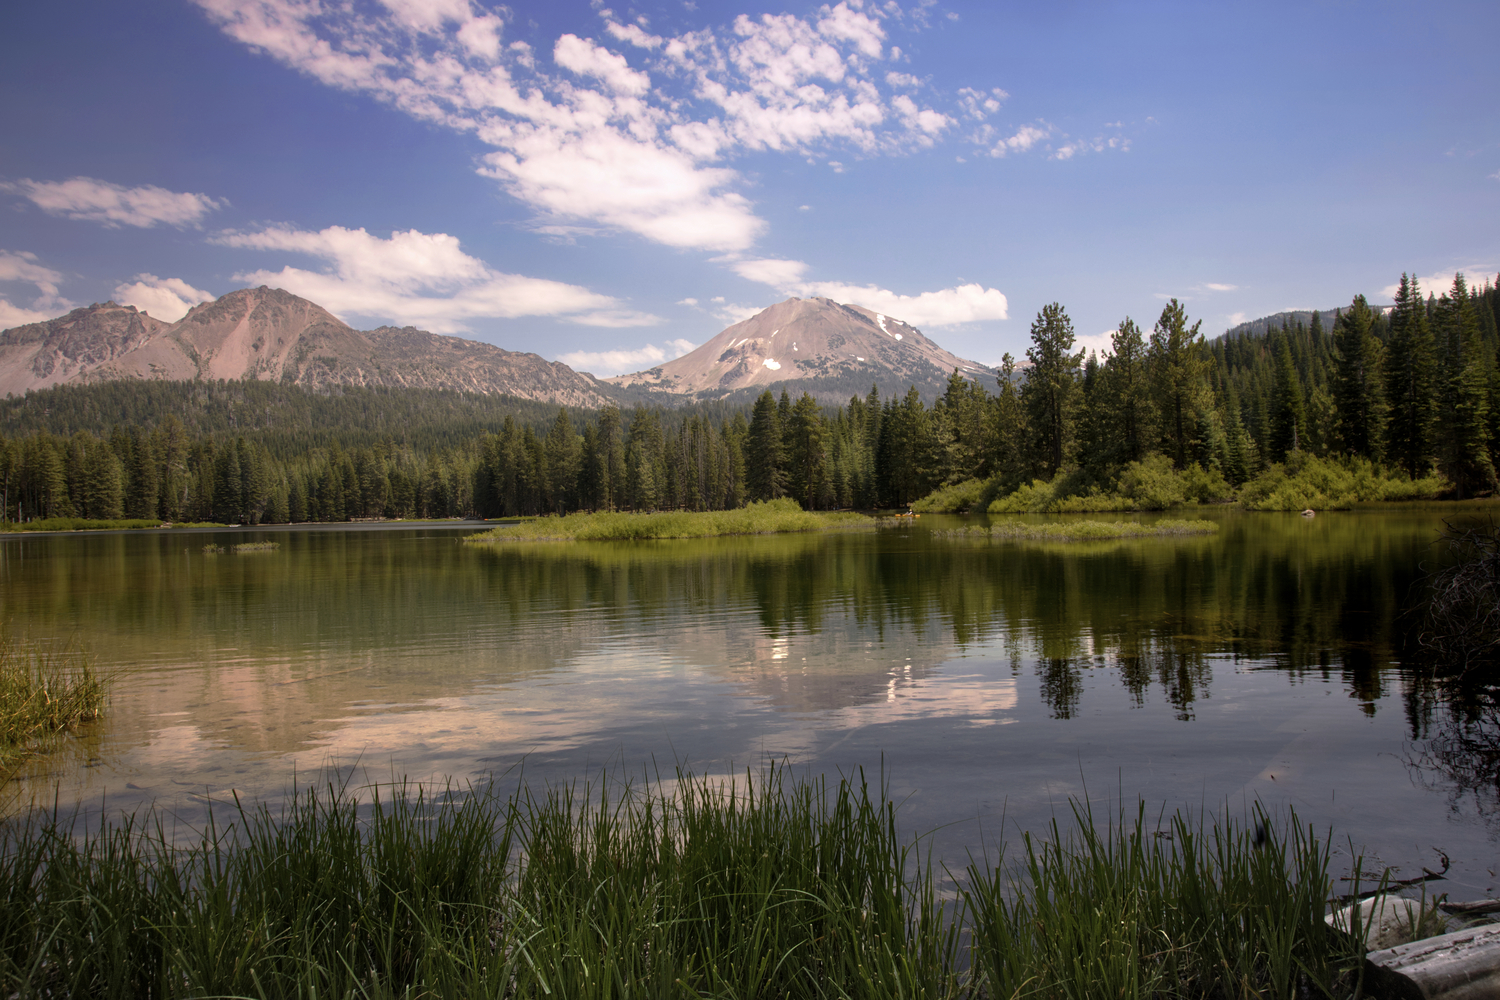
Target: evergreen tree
(1358, 389)
(1049, 392)
(1179, 374)
(1410, 383)
(562, 463)
(1126, 394)
(1467, 458)
(1010, 428)
(806, 458)
(1288, 412)
(765, 475)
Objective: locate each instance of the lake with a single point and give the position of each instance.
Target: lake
(990, 681)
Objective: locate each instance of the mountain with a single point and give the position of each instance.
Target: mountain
(1260, 327)
(815, 345)
(269, 334)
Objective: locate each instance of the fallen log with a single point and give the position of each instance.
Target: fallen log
(1463, 965)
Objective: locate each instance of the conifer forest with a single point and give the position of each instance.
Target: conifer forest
(1396, 402)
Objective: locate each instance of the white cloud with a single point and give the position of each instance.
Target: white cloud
(420, 279)
(980, 104)
(643, 150)
(1442, 282)
(1047, 137)
(14, 315)
(167, 299)
(1022, 140)
(622, 360)
(100, 201)
(687, 302)
(1215, 286)
(777, 273)
(1101, 344)
(946, 307)
(902, 79)
(23, 267)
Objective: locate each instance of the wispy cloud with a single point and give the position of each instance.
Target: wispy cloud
(165, 298)
(114, 205)
(639, 140)
(420, 279)
(22, 267)
(621, 360)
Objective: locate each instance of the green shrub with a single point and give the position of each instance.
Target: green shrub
(971, 494)
(761, 518)
(42, 693)
(1306, 481)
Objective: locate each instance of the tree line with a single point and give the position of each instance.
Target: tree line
(1415, 387)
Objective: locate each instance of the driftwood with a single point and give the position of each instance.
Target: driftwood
(1474, 909)
(1463, 965)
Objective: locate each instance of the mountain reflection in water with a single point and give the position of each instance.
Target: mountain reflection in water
(994, 678)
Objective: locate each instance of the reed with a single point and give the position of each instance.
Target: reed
(759, 518)
(42, 693)
(694, 887)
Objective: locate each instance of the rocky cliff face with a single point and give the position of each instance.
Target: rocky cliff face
(267, 333)
(819, 345)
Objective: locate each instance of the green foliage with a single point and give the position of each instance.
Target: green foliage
(42, 693)
(971, 494)
(1307, 482)
(756, 518)
(1193, 910)
(693, 887)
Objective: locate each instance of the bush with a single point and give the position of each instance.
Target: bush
(971, 494)
(760, 518)
(1306, 481)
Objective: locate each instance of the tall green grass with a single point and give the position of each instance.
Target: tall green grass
(42, 692)
(759, 518)
(766, 887)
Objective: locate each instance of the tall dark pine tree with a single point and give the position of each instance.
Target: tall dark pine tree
(1466, 452)
(1358, 390)
(1127, 392)
(765, 463)
(1288, 410)
(1410, 383)
(1179, 372)
(1051, 385)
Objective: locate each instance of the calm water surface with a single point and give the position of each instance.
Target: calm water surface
(992, 681)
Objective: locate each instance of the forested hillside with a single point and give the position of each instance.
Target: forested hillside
(1408, 397)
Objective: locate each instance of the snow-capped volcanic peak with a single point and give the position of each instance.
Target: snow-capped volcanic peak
(835, 349)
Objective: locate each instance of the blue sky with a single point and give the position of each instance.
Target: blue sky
(611, 184)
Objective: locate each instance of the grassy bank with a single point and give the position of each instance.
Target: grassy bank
(764, 518)
(42, 694)
(696, 888)
(1084, 531)
(87, 524)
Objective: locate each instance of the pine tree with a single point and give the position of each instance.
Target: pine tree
(1010, 428)
(1127, 392)
(1410, 383)
(1049, 392)
(806, 458)
(1179, 375)
(1358, 389)
(1466, 432)
(765, 474)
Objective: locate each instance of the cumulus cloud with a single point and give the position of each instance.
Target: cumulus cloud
(420, 279)
(165, 298)
(114, 205)
(642, 146)
(1101, 344)
(1442, 282)
(946, 307)
(623, 360)
(22, 267)
(1047, 138)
